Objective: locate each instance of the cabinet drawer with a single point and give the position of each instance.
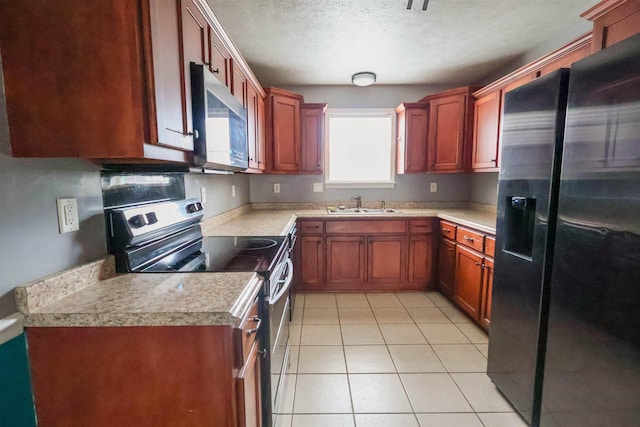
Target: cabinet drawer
(448, 230)
(311, 227)
(417, 226)
(249, 328)
(470, 238)
(366, 227)
(490, 246)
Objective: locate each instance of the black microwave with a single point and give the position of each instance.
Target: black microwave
(219, 123)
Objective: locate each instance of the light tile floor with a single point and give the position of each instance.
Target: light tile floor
(388, 360)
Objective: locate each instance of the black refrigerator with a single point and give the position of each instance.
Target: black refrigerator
(564, 343)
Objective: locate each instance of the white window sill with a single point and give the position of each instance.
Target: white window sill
(360, 185)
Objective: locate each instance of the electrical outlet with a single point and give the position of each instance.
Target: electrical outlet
(317, 187)
(203, 195)
(233, 190)
(67, 215)
(276, 188)
(434, 187)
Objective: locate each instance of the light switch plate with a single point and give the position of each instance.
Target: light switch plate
(318, 187)
(203, 195)
(276, 188)
(434, 187)
(67, 215)
(233, 190)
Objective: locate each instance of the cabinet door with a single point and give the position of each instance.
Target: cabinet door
(249, 391)
(285, 123)
(311, 262)
(312, 143)
(420, 259)
(261, 134)
(468, 283)
(345, 260)
(487, 292)
(446, 133)
(238, 84)
(220, 58)
(195, 49)
(446, 266)
(173, 119)
(486, 128)
(252, 126)
(413, 125)
(386, 262)
(620, 20)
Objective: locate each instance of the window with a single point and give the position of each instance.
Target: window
(360, 148)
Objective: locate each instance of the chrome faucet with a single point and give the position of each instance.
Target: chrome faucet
(383, 205)
(358, 200)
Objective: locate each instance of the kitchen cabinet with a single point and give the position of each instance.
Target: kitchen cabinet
(468, 284)
(412, 129)
(386, 262)
(447, 258)
(219, 57)
(346, 262)
(238, 84)
(365, 254)
(465, 269)
(282, 131)
(486, 129)
(255, 129)
(450, 130)
(147, 375)
(312, 139)
(613, 21)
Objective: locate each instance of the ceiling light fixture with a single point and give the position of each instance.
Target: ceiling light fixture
(365, 78)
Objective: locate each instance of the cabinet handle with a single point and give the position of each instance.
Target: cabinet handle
(257, 328)
(446, 230)
(210, 64)
(250, 159)
(477, 263)
(263, 353)
(450, 249)
(493, 160)
(468, 239)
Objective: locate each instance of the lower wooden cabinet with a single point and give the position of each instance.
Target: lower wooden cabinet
(249, 390)
(386, 263)
(487, 291)
(468, 287)
(465, 270)
(358, 255)
(345, 261)
(311, 265)
(446, 267)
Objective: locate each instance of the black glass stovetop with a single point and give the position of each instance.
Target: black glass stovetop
(240, 253)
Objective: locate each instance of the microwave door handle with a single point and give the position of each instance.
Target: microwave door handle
(286, 282)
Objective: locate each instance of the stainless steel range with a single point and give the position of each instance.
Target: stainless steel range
(166, 236)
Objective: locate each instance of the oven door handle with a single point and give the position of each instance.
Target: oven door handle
(282, 284)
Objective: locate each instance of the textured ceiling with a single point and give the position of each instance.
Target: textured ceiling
(318, 42)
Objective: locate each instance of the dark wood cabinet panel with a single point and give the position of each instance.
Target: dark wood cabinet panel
(261, 134)
(252, 127)
(238, 84)
(311, 262)
(345, 260)
(359, 226)
(386, 262)
(487, 293)
(446, 133)
(283, 131)
(312, 142)
(468, 283)
(421, 252)
(446, 267)
(486, 129)
(413, 125)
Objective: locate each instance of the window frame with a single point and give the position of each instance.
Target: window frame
(361, 112)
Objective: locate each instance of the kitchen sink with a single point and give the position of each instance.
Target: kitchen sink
(361, 211)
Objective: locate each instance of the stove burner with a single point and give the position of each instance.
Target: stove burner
(242, 263)
(256, 244)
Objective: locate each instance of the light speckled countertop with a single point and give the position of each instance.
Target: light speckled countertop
(93, 295)
(273, 222)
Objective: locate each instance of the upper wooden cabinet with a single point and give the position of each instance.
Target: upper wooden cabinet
(413, 125)
(312, 138)
(255, 130)
(219, 57)
(613, 21)
(486, 129)
(238, 84)
(282, 131)
(450, 130)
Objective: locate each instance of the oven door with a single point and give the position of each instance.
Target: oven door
(279, 284)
